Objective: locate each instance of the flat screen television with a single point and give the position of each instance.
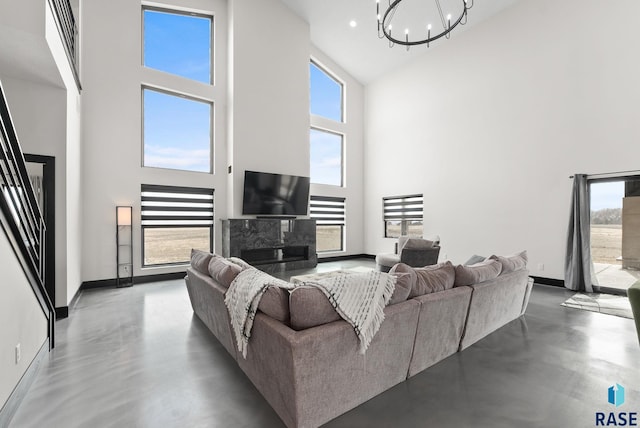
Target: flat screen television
(275, 194)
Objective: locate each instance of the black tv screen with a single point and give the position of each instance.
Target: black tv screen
(275, 194)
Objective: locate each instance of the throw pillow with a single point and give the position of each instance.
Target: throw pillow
(309, 307)
(474, 259)
(240, 262)
(476, 273)
(275, 303)
(200, 260)
(404, 282)
(428, 279)
(402, 240)
(418, 244)
(223, 271)
(512, 263)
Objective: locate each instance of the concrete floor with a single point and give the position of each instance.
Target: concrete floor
(138, 357)
(613, 276)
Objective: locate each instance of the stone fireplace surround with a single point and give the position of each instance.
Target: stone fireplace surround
(271, 244)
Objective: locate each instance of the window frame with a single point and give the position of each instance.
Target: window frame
(404, 216)
(176, 190)
(343, 91)
(187, 97)
(169, 10)
(342, 155)
(336, 217)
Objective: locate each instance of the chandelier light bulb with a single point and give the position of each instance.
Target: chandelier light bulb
(406, 31)
(429, 27)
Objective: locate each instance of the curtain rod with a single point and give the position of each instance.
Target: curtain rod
(612, 174)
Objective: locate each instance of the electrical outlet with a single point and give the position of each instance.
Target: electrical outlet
(18, 353)
(540, 266)
(444, 257)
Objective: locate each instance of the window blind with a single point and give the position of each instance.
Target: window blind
(398, 208)
(176, 206)
(327, 210)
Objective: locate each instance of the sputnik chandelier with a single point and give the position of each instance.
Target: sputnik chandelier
(425, 35)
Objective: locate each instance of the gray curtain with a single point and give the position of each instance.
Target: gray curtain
(578, 266)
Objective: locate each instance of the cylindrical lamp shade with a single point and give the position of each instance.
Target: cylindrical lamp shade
(123, 216)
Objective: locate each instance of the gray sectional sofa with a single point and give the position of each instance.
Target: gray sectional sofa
(310, 371)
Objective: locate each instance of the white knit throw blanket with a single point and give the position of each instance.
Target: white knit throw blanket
(360, 299)
(242, 300)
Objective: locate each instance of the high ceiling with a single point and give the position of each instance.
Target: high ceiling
(358, 48)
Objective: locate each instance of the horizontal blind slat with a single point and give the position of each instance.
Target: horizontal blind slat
(176, 206)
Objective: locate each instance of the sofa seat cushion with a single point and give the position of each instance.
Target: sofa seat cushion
(387, 259)
(428, 279)
(477, 273)
(512, 263)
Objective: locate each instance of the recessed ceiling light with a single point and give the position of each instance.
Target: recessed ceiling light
(353, 23)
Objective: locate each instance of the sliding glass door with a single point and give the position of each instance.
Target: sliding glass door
(615, 233)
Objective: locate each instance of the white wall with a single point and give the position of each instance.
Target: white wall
(268, 94)
(112, 76)
(353, 129)
(21, 321)
(72, 164)
(490, 125)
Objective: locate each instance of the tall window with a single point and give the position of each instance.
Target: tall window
(326, 157)
(402, 215)
(327, 98)
(329, 215)
(177, 131)
(327, 120)
(178, 43)
(175, 220)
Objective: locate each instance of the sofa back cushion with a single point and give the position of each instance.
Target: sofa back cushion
(309, 307)
(512, 263)
(404, 282)
(428, 279)
(477, 273)
(222, 270)
(200, 260)
(275, 303)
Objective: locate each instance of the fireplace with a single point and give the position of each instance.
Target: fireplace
(271, 244)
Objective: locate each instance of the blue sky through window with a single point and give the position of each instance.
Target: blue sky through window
(326, 158)
(178, 44)
(326, 94)
(177, 132)
(607, 195)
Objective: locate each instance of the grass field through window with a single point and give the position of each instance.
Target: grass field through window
(173, 245)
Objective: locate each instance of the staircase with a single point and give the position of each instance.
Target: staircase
(20, 217)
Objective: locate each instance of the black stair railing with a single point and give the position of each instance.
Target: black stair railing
(21, 216)
(68, 29)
